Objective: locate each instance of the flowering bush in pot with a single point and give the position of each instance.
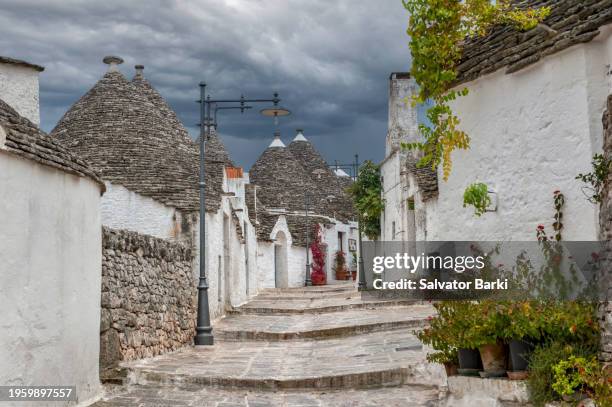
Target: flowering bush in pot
(317, 276)
(340, 266)
(446, 334)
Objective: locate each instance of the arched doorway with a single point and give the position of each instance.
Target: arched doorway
(281, 274)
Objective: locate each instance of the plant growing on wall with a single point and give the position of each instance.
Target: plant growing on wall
(559, 202)
(367, 197)
(317, 276)
(477, 195)
(596, 179)
(437, 29)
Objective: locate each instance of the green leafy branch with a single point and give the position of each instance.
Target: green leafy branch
(437, 28)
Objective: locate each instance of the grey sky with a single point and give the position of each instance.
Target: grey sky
(329, 60)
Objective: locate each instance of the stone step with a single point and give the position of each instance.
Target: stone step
(392, 358)
(335, 288)
(319, 326)
(265, 306)
(306, 296)
(155, 395)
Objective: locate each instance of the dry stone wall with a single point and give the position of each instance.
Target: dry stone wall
(605, 222)
(149, 296)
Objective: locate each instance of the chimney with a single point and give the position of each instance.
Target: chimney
(19, 87)
(113, 62)
(299, 135)
(277, 142)
(403, 124)
(139, 69)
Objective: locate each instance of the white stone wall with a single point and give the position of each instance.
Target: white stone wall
(243, 254)
(50, 266)
(19, 88)
(124, 209)
(532, 132)
(393, 196)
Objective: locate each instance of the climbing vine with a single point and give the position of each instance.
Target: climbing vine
(597, 178)
(437, 29)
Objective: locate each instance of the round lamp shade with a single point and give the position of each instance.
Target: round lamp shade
(275, 111)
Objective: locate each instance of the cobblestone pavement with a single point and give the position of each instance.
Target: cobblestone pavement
(358, 354)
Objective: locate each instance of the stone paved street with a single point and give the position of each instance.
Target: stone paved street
(296, 347)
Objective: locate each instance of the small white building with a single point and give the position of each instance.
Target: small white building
(533, 114)
(288, 181)
(50, 257)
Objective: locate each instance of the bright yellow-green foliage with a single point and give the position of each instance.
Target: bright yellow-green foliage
(436, 29)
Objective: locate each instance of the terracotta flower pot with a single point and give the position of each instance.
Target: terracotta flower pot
(451, 369)
(493, 359)
(354, 274)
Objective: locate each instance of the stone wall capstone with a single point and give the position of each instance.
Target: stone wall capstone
(149, 296)
(605, 223)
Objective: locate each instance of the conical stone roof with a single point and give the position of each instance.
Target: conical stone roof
(133, 138)
(282, 180)
(327, 183)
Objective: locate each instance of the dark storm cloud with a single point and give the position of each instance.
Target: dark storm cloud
(329, 60)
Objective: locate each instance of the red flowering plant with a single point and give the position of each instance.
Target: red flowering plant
(317, 276)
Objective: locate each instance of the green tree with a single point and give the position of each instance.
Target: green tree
(367, 196)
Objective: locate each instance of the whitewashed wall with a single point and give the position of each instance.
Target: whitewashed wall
(50, 266)
(124, 209)
(243, 253)
(393, 196)
(19, 88)
(532, 132)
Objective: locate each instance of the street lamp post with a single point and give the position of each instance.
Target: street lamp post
(362, 280)
(204, 334)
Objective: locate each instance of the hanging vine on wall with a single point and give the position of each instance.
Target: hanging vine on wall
(436, 29)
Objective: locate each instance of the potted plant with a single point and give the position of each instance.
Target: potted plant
(438, 336)
(317, 276)
(522, 333)
(446, 334)
(486, 333)
(340, 266)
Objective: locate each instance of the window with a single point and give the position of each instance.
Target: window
(392, 230)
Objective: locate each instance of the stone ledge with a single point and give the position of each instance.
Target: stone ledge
(466, 390)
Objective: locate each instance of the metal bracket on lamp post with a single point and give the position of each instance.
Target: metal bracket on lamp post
(204, 335)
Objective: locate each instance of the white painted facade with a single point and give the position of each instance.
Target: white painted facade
(50, 251)
(531, 133)
(292, 272)
(124, 209)
(19, 88)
